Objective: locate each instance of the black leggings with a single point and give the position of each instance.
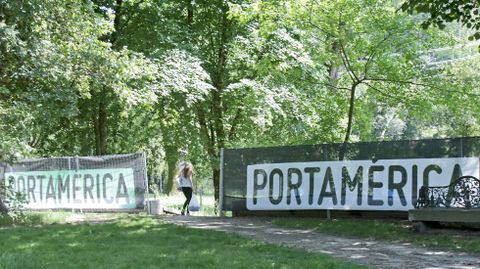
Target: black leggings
(187, 191)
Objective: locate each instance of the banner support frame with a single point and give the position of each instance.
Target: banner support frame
(147, 190)
(221, 191)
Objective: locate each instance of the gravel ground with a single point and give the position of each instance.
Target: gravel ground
(375, 254)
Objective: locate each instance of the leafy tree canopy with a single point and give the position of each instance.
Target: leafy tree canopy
(466, 12)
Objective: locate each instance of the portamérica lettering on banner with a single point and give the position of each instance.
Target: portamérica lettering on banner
(390, 184)
(92, 188)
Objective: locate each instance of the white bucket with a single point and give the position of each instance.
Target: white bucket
(154, 207)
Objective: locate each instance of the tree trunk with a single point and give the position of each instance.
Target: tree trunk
(101, 117)
(350, 113)
(189, 12)
(100, 125)
(3, 190)
(211, 119)
(171, 176)
(116, 24)
(3, 208)
(219, 81)
(216, 184)
(350, 121)
(334, 66)
(171, 155)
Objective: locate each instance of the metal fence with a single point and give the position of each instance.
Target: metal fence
(103, 183)
(383, 176)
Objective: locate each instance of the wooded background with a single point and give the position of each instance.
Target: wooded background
(180, 79)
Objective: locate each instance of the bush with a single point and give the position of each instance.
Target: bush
(12, 203)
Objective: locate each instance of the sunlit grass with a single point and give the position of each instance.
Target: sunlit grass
(399, 231)
(140, 241)
(31, 218)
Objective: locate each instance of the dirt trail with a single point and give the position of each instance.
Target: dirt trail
(372, 253)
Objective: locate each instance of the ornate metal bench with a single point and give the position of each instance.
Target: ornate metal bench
(458, 202)
(464, 192)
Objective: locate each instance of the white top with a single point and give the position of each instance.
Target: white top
(184, 182)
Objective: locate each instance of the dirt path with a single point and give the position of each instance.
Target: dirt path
(372, 253)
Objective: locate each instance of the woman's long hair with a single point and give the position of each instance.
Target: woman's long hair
(186, 170)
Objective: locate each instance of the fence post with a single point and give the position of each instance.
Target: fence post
(220, 198)
(147, 190)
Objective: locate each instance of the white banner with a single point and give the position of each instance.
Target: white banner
(350, 185)
(92, 188)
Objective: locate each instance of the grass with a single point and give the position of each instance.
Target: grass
(399, 231)
(52, 217)
(139, 241)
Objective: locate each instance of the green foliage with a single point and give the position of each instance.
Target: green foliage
(182, 79)
(11, 202)
(331, 51)
(444, 11)
(61, 69)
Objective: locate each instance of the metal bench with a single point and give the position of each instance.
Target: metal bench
(458, 202)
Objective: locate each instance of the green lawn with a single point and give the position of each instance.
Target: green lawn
(139, 241)
(389, 231)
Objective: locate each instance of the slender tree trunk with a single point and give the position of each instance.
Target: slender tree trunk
(101, 117)
(350, 113)
(350, 121)
(100, 125)
(116, 23)
(212, 128)
(220, 134)
(217, 97)
(189, 12)
(334, 66)
(208, 136)
(3, 208)
(216, 184)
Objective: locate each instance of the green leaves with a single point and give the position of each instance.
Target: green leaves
(185, 78)
(55, 60)
(182, 73)
(444, 11)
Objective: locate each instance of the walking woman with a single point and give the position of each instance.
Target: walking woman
(185, 182)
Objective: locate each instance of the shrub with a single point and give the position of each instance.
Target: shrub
(12, 203)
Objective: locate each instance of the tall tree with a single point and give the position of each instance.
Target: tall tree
(466, 12)
(106, 94)
(362, 48)
(62, 65)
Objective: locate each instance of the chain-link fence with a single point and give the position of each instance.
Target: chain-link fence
(99, 183)
(357, 176)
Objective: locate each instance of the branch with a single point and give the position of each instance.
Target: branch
(372, 55)
(125, 23)
(310, 19)
(204, 130)
(313, 24)
(399, 82)
(328, 85)
(322, 83)
(385, 94)
(347, 64)
(236, 121)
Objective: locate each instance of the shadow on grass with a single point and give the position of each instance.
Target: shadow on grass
(143, 242)
(395, 231)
